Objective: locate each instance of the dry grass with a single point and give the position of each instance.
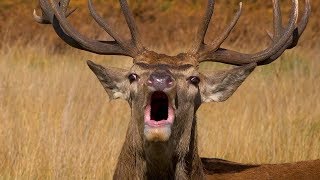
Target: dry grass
(56, 121)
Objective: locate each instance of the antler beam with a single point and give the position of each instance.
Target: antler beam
(284, 38)
(56, 13)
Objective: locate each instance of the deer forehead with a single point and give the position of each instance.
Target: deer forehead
(177, 71)
(181, 60)
(181, 64)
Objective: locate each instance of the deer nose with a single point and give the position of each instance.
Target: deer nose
(160, 81)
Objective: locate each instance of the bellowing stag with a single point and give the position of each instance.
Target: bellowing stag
(164, 93)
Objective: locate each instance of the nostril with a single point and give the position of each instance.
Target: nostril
(169, 81)
(150, 81)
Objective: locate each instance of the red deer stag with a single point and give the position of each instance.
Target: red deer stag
(164, 93)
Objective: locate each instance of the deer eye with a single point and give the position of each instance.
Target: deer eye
(194, 80)
(132, 77)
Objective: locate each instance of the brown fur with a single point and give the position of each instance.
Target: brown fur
(178, 157)
(220, 169)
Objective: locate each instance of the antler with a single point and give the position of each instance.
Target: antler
(283, 38)
(56, 13)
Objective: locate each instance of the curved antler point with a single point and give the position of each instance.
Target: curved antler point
(37, 18)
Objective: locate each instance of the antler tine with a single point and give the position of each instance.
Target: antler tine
(199, 41)
(103, 24)
(131, 24)
(135, 47)
(302, 24)
(48, 18)
(283, 39)
(277, 19)
(217, 43)
(47, 15)
(227, 32)
(44, 19)
(87, 44)
(40, 19)
(64, 5)
(293, 40)
(56, 13)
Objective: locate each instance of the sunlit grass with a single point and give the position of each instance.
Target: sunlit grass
(56, 121)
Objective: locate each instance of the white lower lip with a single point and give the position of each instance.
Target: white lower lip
(156, 124)
(157, 134)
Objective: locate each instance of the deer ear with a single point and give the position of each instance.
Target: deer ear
(220, 86)
(114, 80)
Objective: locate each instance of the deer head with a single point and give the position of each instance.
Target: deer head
(164, 92)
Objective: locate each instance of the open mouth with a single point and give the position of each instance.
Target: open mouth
(159, 112)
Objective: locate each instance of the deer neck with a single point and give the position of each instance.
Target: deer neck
(174, 159)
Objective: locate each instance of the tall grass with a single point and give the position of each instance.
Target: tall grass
(56, 121)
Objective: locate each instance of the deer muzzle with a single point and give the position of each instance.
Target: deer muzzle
(160, 81)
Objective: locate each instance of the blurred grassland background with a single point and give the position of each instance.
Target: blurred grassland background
(56, 121)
